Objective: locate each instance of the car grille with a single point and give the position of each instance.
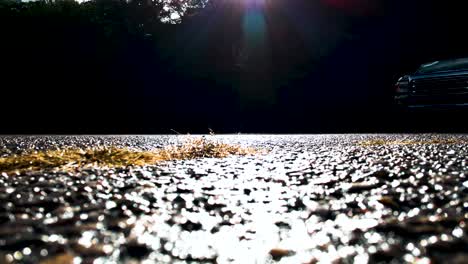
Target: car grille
(445, 85)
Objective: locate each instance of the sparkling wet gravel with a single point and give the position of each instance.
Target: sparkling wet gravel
(310, 199)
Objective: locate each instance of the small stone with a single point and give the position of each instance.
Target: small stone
(358, 187)
(278, 253)
(191, 226)
(135, 250)
(184, 190)
(389, 202)
(381, 174)
(179, 201)
(282, 224)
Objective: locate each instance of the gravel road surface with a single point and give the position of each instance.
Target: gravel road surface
(310, 199)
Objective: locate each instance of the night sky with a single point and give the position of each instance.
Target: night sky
(251, 66)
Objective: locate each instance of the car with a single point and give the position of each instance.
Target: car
(439, 84)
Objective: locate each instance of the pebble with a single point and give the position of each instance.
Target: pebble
(135, 250)
(278, 253)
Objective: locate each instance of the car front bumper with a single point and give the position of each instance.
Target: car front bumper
(432, 101)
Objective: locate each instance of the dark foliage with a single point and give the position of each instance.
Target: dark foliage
(112, 66)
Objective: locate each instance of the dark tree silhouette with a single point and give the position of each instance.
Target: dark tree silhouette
(257, 65)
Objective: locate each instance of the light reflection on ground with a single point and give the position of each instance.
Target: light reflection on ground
(310, 199)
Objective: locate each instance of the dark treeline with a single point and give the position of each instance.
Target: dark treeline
(109, 66)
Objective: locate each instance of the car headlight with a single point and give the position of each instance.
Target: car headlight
(402, 85)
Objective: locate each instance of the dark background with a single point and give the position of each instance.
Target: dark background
(324, 66)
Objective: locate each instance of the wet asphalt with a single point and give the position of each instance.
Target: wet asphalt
(309, 199)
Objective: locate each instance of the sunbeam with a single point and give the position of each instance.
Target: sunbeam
(255, 54)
